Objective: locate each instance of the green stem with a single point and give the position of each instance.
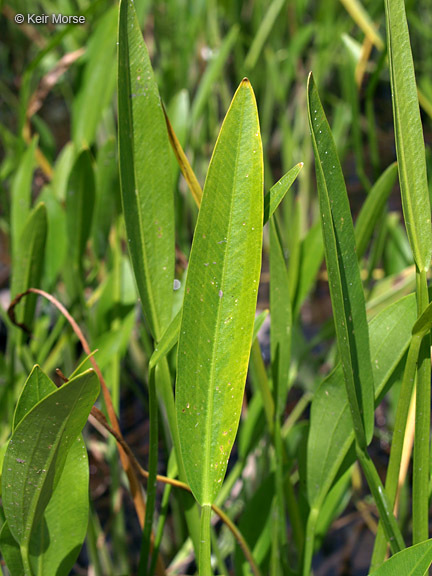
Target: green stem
(422, 426)
(392, 477)
(160, 528)
(390, 525)
(309, 540)
(259, 376)
(164, 387)
(151, 483)
(26, 559)
(282, 542)
(205, 542)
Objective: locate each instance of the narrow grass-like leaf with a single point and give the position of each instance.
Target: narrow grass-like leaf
(281, 320)
(98, 80)
(417, 215)
(344, 275)
(79, 207)
(277, 192)
(28, 265)
(37, 453)
(408, 135)
(146, 183)
(259, 321)
(373, 207)
(212, 73)
(56, 241)
(183, 162)
(21, 194)
(264, 30)
(220, 299)
(311, 255)
(413, 561)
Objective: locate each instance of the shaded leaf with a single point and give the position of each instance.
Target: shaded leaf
(146, 183)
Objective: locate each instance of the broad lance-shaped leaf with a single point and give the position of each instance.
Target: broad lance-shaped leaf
(146, 178)
(409, 136)
(38, 450)
(56, 540)
(413, 561)
(220, 299)
(346, 289)
(331, 433)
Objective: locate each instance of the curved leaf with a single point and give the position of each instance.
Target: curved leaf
(220, 299)
(277, 192)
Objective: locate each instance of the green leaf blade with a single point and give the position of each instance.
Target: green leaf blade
(146, 180)
(409, 136)
(38, 449)
(220, 299)
(331, 434)
(413, 561)
(344, 275)
(29, 261)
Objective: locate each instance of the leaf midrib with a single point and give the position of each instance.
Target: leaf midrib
(210, 394)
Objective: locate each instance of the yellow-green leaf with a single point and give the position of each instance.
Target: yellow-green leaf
(220, 299)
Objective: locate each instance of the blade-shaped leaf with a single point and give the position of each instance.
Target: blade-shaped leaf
(28, 265)
(37, 386)
(277, 192)
(146, 180)
(38, 449)
(98, 80)
(281, 319)
(413, 561)
(408, 135)
(220, 299)
(311, 255)
(21, 193)
(372, 209)
(79, 207)
(346, 289)
(57, 539)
